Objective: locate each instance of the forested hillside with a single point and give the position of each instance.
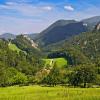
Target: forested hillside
(16, 68)
(26, 44)
(85, 44)
(74, 62)
(56, 32)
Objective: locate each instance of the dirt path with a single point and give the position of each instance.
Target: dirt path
(51, 62)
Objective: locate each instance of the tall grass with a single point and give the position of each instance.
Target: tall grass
(49, 93)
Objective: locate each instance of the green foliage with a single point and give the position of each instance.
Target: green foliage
(20, 78)
(83, 75)
(83, 48)
(15, 67)
(10, 76)
(53, 78)
(21, 68)
(14, 47)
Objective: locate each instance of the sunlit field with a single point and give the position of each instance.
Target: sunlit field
(61, 62)
(49, 93)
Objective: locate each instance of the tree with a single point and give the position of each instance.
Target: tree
(20, 78)
(82, 75)
(53, 78)
(3, 77)
(10, 76)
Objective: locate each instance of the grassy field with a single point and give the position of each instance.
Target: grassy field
(61, 62)
(14, 47)
(49, 93)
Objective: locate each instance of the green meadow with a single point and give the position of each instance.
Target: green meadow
(49, 93)
(60, 62)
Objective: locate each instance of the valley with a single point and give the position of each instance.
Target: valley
(62, 62)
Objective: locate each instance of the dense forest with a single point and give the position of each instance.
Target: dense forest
(16, 67)
(27, 64)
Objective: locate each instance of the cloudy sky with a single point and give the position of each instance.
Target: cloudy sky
(32, 16)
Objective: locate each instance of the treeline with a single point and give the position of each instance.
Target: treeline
(84, 75)
(73, 56)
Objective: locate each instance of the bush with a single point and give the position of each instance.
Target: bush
(10, 76)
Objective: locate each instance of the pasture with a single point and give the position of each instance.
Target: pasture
(48, 93)
(60, 62)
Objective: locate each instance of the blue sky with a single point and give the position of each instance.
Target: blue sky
(31, 16)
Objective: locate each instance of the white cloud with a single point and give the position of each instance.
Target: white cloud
(47, 8)
(70, 8)
(10, 3)
(26, 9)
(26, 17)
(22, 1)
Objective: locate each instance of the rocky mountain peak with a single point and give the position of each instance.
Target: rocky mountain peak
(97, 27)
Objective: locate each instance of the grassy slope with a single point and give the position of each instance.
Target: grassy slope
(61, 62)
(49, 93)
(14, 47)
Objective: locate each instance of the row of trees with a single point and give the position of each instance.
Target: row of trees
(83, 75)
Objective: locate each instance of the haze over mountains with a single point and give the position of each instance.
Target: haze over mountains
(13, 36)
(8, 36)
(64, 29)
(60, 30)
(91, 22)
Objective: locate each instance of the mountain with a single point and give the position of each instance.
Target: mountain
(97, 28)
(7, 36)
(83, 46)
(91, 22)
(65, 29)
(12, 36)
(60, 30)
(26, 44)
(32, 35)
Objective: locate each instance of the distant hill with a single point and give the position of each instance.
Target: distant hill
(91, 22)
(65, 29)
(61, 30)
(32, 35)
(26, 44)
(7, 36)
(12, 36)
